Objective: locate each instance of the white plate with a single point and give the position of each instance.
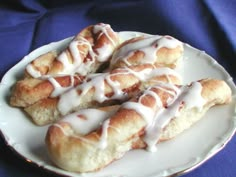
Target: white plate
(177, 156)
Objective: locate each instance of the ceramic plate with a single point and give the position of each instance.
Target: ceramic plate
(177, 156)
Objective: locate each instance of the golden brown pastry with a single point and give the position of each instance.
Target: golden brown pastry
(101, 89)
(135, 101)
(91, 139)
(40, 65)
(153, 49)
(50, 76)
(91, 48)
(31, 90)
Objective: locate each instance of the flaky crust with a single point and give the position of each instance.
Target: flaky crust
(45, 107)
(83, 50)
(42, 63)
(75, 152)
(89, 52)
(31, 90)
(82, 56)
(114, 97)
(135, 51)
(129, 85)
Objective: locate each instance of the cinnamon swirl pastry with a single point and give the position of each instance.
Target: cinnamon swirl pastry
(51, 74)
(101, 89)
(31, 90)
(92, 47)
(153, 49)
(91, 139)
(105, 96)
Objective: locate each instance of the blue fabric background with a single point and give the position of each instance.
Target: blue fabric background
(208, 25)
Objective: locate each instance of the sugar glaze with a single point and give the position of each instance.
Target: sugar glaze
(72, 98)
(81, 60)
(156, 118)
(149, 45)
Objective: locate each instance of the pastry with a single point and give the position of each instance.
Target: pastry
(104, 96)
(153, 49)
(31, 90)
(101, 89)
(52, 77)
(91, 48)
(51, 74)
(91, 139)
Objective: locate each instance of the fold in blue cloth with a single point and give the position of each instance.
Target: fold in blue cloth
(207, 25)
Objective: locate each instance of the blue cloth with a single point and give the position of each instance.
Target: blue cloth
(208, 25)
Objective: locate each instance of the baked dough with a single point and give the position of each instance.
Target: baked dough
(106, 96)
(100, 90)
(85, 54)
(91, 48)
(80, 143)
(51, 76)
(153, 49)
(31, 90)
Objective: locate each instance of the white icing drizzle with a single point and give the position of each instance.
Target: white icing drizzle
(73, 47)
(118, 93)
(141, 75)
(149, 73)
(98, 83)
(149, 46)
(163, 85)
(144, 111)
(101, 27)
(68, 101)
(32, 71)
(71, 99)
(58, 89)
(163, 71)
(76, 136)
(189, 95)
(63, 58)
(194, 98)
(156, 119)
(106, 50)
(79, 65)
(86, 121)
(100, 78)
(153, 94)
(168, 88)
(103, 138)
